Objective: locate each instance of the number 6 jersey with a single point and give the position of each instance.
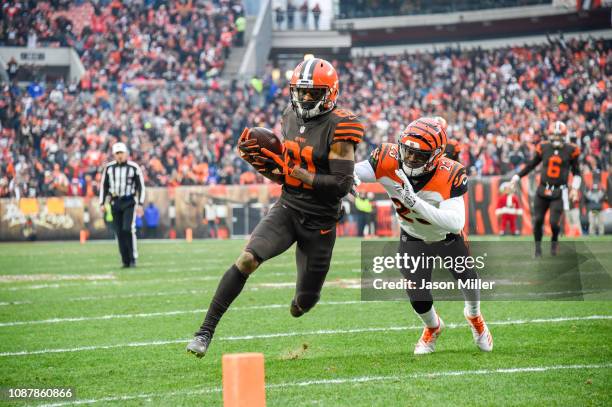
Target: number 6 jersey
(556, 163)
(307, 144)
(448, 181)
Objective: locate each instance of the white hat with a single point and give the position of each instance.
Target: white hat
(119, 148)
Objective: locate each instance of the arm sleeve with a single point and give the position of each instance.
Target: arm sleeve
(141, 185)
(364, 171)
(449, 216)
(103, 186)
(537, 158)
(339, 181)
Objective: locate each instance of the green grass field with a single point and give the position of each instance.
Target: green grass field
(69, 316)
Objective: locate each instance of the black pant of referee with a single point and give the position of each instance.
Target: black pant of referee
(124, 221)
(123, 182)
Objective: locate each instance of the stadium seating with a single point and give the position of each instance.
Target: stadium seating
(182, 123)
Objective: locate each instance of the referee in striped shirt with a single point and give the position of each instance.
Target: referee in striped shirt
(122, 180)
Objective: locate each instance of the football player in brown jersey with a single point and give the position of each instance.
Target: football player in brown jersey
(427, 190)
(316, 171)
(558, 158)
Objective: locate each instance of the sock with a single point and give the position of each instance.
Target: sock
(472, 308)
(430, 318)
(229, 288)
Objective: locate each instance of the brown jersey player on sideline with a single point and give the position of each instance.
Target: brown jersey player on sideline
(427, 190)
(557, 158)
(316, 171)
(453, 148)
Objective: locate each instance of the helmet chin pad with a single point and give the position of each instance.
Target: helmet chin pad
(421, 162)
(413, 172)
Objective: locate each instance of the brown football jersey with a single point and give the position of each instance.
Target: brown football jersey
(307, 145)
(556, 163)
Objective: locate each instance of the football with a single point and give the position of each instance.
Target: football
(267, 139)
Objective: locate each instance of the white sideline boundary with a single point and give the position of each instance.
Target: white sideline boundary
(345, 380)
(159, 314)
(290, 334)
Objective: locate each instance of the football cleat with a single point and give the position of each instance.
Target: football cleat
(295, 310)
(538, 250)
(427, 341)
(554, 248)
(199, 345)
(482, 336)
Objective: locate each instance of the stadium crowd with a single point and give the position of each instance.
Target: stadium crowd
(183, 129)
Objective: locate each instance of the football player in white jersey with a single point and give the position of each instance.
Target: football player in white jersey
(427, 190)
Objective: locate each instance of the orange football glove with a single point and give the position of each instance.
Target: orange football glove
(275, 162)
(248, 148)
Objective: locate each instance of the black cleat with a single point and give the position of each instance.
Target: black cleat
(125, 266)
(554, 248)
(295, 310)
(133, 264)
(538, 251)
(199, 345)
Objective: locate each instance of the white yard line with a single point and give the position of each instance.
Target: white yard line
(157, 314)
(136, 281)
(344, 380)
(290, 334)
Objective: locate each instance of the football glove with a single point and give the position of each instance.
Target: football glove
(273, 161)
(248, 149)
(406, 192)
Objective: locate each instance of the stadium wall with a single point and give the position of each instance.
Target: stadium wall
(224, 211)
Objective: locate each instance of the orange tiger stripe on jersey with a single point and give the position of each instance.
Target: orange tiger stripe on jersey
(348, 138)
(352, 124)
(576, 151)
(444, 178)
(349, 131)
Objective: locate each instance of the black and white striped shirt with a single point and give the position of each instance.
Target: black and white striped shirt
(122, 180)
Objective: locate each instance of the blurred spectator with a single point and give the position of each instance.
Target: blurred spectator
(594, 198)
(290, 14)
(316, 13)
(304, 14)
(151, 217)
(280, 17)
(240, 28)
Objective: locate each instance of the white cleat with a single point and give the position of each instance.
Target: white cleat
(482, 336)
(427, 341)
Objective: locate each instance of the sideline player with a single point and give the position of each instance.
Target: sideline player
(427, 191)
(316, 171)
(557, 158)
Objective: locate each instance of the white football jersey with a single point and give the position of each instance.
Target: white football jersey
(447, 183)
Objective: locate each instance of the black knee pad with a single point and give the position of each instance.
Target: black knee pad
(303, 303)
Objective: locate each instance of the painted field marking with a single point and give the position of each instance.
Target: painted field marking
(290, 334)
(344, 380)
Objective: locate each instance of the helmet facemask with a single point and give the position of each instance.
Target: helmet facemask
(415, 161)
(556, 139)
(309, 101)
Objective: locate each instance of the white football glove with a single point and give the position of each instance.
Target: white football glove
(515, 179)
(406, 192)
